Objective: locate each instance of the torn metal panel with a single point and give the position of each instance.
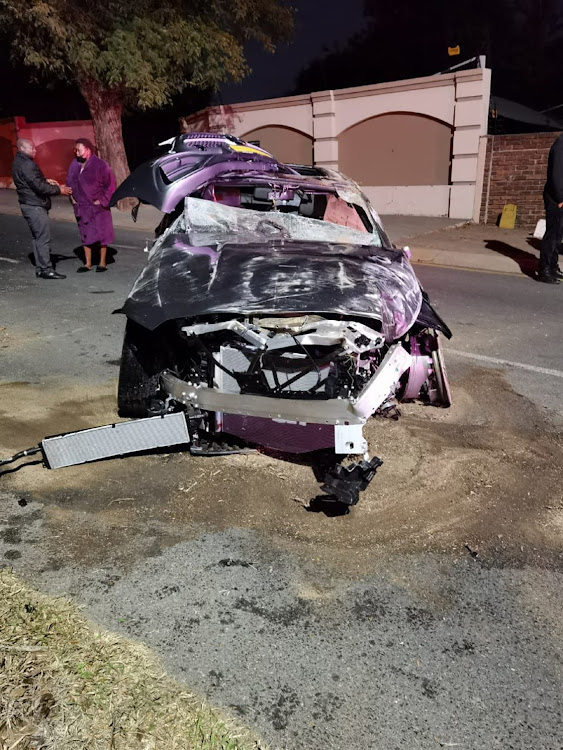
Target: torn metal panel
(384, 382)
(245, 331)
(313, 331)
(192, 162)
(276, 277)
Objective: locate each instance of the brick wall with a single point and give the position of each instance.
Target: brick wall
(515, 174)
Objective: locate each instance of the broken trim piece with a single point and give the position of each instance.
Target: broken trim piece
(349, 333)
(380, 386)
(331, 411)
(245, 331)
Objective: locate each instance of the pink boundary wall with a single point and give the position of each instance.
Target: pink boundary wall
(459, 100)
(54, 142)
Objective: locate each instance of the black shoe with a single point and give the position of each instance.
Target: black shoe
(50, 275)
(83, 269)
(557, 273)
(100, 269)
(548, 278)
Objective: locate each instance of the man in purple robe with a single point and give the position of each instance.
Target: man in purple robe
(93, 184)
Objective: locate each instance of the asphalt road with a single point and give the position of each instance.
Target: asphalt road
(372, 630)
(504, 317)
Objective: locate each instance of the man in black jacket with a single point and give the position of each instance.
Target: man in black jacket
(548, 270)
(34, 195)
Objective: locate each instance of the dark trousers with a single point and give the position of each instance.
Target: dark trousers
(38, 221)
(551, 243)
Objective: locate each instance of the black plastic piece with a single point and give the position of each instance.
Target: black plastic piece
(217, 448)
(205, 443)
(142, 361)
(157, 408)
(345, 483)
(429, 318)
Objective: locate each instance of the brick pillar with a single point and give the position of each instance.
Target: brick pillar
(515, 172)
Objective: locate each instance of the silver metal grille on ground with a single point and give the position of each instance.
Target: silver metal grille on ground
(115, 440)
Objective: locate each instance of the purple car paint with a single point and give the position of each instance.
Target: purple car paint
(288, 437)
(274, 310)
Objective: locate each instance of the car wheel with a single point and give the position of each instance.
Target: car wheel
(142, 361)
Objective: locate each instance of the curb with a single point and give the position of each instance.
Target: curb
(404, 241)
(465, 261)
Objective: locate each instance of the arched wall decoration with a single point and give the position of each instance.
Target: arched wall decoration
(397, 148)
(286, 144)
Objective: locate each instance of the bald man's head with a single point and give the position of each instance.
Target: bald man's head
(26, 147)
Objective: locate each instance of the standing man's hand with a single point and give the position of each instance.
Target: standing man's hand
(53, 182)
(560, 205)
(65, 190)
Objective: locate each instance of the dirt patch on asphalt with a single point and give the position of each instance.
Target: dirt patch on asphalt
(483, 478)
(15, 338)
(7, 340)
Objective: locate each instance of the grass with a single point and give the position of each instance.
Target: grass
(64, 683)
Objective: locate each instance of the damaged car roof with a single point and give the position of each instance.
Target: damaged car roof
(197, 159)
(193, 160)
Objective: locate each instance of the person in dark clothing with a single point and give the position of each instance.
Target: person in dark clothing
(548, 270)
(34, 196)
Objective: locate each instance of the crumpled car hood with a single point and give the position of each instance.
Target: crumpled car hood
(279, 276)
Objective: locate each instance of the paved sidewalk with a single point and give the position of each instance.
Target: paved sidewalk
(462, 244)
(402, 229)
(482, 247)
(433, 241)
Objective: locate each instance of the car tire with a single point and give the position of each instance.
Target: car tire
(142, 361)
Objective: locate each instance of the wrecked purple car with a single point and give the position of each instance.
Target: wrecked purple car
(273, 311)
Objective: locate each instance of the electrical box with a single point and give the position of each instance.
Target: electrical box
(508, 216)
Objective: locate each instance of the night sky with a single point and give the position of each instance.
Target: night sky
(273, 75)
(315, 31)
(339, 44)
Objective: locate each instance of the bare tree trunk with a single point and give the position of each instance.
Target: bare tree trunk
(106, 108)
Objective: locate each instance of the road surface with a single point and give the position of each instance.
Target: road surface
(430, 616)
